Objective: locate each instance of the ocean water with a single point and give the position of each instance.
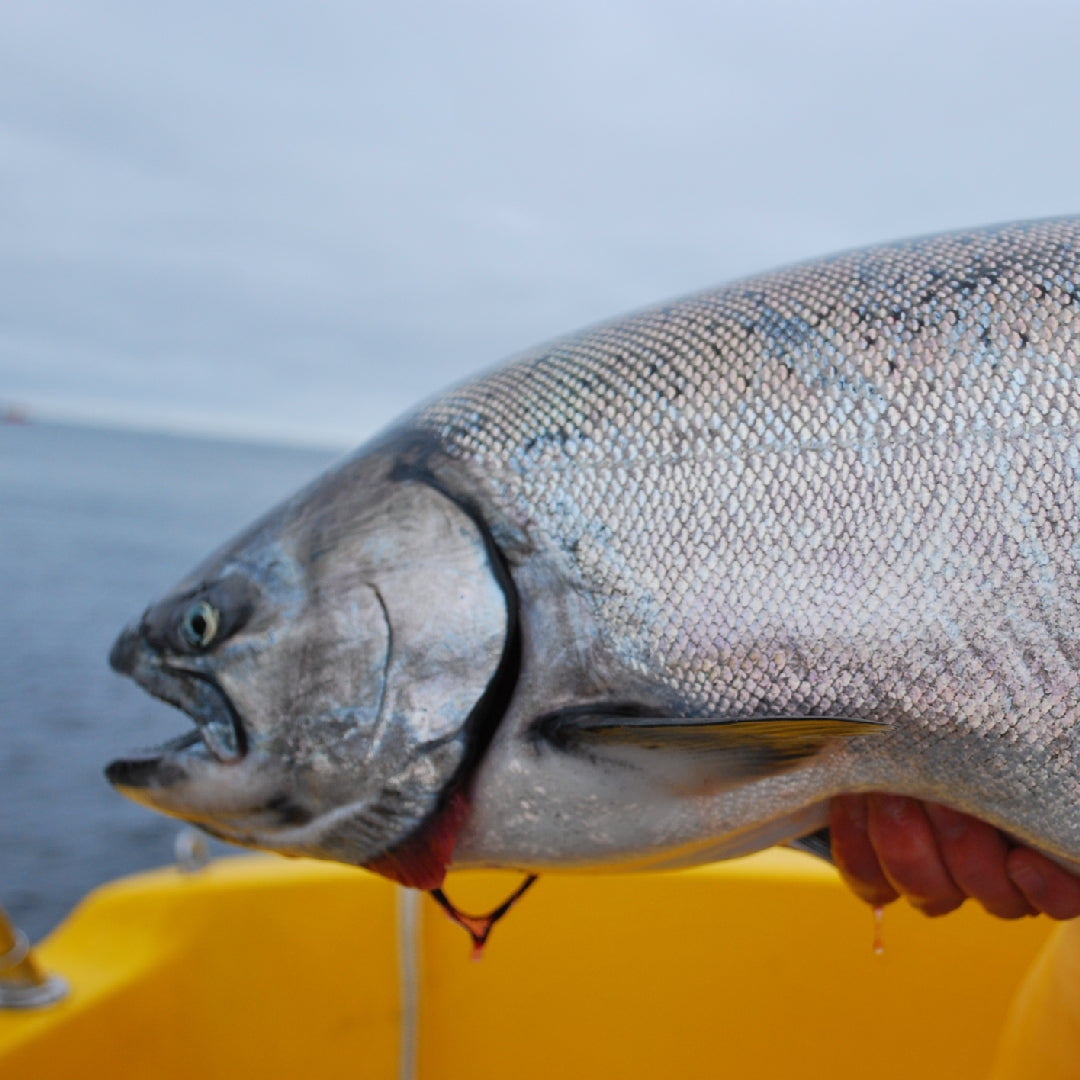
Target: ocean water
(94, 525)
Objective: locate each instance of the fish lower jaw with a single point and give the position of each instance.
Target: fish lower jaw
(218, 741)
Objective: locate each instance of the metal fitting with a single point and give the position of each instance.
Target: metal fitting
(23, 985)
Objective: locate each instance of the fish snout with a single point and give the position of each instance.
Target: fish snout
(124, 655)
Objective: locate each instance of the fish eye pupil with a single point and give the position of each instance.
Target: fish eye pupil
(199, 626)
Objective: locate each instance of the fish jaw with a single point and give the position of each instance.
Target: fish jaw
(182, 780)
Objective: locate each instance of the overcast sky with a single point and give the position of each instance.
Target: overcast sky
(296, 220)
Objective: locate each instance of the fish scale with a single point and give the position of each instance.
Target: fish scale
(651, 595)
(844, 488)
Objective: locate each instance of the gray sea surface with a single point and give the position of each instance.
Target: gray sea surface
(95, 524)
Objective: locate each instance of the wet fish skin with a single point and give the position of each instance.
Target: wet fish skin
(840, 495)
(845, 488)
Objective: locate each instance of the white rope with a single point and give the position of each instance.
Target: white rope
(408, 941)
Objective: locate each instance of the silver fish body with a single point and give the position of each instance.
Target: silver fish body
(814, 532)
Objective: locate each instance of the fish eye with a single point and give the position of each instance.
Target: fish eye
(200, 623)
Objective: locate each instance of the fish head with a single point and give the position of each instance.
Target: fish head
(336, 659)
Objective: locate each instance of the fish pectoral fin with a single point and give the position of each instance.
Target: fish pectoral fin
(734, 749)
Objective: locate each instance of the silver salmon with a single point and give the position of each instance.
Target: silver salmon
(649, 596)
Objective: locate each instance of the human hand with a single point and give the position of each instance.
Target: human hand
(887, 846)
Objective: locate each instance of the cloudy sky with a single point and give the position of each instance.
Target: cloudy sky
(295, 220)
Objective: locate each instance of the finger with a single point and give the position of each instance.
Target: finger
(854, 854)
(1048, 888)
(909, 855)
(974, 854)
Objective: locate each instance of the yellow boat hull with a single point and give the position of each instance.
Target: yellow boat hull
(762, 967)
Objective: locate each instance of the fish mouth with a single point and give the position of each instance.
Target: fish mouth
(201, 698)
(219, 732)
